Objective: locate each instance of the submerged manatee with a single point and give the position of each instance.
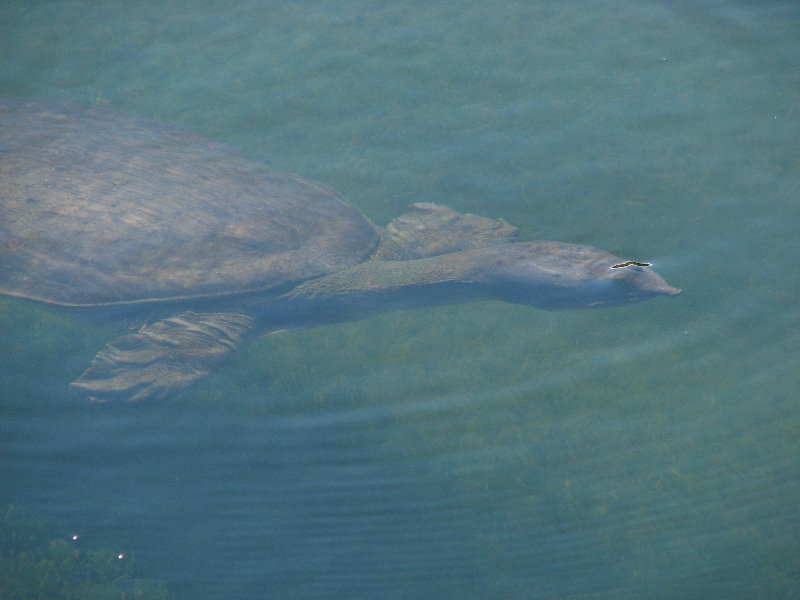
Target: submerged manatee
(105, 211)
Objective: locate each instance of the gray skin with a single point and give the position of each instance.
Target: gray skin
(108, 213)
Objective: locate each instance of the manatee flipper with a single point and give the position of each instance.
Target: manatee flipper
(164, 356)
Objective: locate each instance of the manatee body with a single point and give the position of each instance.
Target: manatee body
(104, 211)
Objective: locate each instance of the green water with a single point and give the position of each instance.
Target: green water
(476, 451)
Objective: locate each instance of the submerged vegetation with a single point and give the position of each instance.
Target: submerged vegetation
(32, 565)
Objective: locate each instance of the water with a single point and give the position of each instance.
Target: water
(475, 451)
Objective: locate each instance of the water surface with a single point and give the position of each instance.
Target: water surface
(476, 451)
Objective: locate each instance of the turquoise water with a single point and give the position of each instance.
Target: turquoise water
(475, 451)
